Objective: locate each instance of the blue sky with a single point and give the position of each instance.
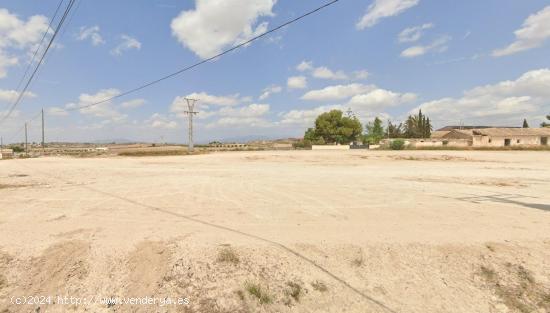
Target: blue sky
(469, 62)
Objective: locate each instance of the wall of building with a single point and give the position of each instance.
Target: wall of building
(499, 141)
(330, 147)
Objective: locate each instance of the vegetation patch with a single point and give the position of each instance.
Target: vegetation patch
(295, 290)
(228, 255)
(517, 288)
(259, 293)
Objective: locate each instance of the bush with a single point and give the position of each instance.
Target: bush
(18, 149)
(398, 144)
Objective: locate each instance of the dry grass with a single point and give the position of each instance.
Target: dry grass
(228, 255)
(3, 282)
(259, 293)
(517, 288)
(295, 290)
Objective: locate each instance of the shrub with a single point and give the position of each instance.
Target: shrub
(397, 144)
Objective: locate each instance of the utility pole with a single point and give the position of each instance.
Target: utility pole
(190, 112)
(43, 144)
(1, 145)
(26, 150)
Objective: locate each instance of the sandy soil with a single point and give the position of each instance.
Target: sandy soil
(296, 231)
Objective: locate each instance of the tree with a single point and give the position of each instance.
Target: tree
(375, 131)
(394, 131)
(418, 126)
(332, 127)
(525, 124)
(544, 124)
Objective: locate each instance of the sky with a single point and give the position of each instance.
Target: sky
(461, 62)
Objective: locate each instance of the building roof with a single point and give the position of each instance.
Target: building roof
(512, 132)
(459, 134)
(439, 133)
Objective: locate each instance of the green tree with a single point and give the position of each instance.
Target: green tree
(375, 131)
(394, 131)
(332, 127)
(525, 124)
(418, 126)
(544, 124)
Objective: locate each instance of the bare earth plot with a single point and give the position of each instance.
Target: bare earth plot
(296, 231)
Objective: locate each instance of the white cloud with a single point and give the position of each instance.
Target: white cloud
(297, 82)
(439, 45)
(306, 117)
(413, 34)
(179, 105)
(5, 62)
(305, 66)
(216, 24)
(11, 95)
(160, 121)
(379, 99)
(56, 111)
(337, 92)
(135, 103)
(127, 43)
(535, 31)
(252, 110)
(503, 102)
(361, 74)
(237, 122)
(91, 33)
(326, 73)
(384, 8)
(267, 92)
(104, 109)
(18, 34)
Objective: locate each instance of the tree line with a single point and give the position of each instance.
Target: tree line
(335, 128)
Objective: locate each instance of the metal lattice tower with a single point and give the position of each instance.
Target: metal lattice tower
(190, 112)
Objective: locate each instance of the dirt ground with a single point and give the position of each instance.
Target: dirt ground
(288, 231)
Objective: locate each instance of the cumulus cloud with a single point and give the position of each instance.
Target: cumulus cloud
(297, 82)
(18, 34)
(384, 8)
(438, 45)
(412, 34)
(305, 66)
(323, 72)
(252, 110)
(306, 117)
(378, 99)
(161, 121)
(56, 111)
(326, 73)
(267, 92)
(135, 103)
(337, 92)
(217, 24)
(247, 116)
(507, 101)
(104, 110)
(90, 33)
(127, 43)
(535, 31)
(11, 95)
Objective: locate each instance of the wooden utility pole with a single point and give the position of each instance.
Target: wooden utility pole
(190, 112)
(43, 145)
(26, 149)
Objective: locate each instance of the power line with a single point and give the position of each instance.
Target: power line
(245, 43)
(22, 93)
(39, 45)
